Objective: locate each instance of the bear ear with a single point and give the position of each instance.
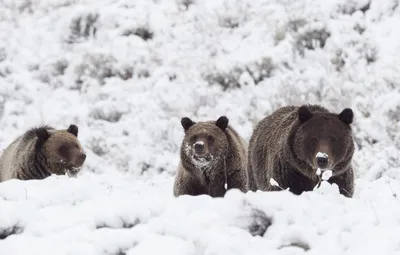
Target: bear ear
(346, 116)
(42, 134)
(304, 114)
(73, 129)
(222, 122)
(186, 123)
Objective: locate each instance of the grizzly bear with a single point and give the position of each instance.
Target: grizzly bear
(294, 143)
(213, 159)
(42, 151)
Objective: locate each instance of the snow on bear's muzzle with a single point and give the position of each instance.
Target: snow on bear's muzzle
(200, 149)
(199, 152)
(76, 162)
(323, 158)
(322, 162)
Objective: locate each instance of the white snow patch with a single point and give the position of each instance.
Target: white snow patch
(187, 148)
(92, 215)
(321, 155)
(199, 142)
(273, 182)
(198, 162)
(202, 162)
(326, 175)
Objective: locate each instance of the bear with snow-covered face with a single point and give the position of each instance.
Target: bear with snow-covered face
(294, 144)
(212, 154)
(42, 151)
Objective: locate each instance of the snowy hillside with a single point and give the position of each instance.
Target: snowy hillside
(126, 72)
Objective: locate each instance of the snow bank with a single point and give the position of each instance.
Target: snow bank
(126, 71)
(112, 214)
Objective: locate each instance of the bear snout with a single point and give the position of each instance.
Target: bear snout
(82, 157)
(323, 154)
(322, 162)
(200, 148)
(79, 160)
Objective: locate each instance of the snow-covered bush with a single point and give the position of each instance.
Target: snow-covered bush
(100, 67)
(185, 3)
(311, 38)
(142, 32)
(12, 230)
(82, 27)
(256, 71)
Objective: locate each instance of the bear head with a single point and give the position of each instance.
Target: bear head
(61, 149)
(204, 142)
(323, 140)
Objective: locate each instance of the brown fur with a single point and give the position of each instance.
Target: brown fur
(225, 152)
(40, 152)
(283, 146)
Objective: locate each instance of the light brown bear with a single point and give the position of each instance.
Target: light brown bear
(292, 143)
(42, 151)
(212, 154)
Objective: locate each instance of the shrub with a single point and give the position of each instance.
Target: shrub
(258, 71)
(311, 39)
(143, 32)
(82, 27)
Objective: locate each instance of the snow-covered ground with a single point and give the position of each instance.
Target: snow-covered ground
(126, 72)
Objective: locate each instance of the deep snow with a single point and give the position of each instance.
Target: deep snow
(126, 71)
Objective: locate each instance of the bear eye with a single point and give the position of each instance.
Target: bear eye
(333, 139)
(63, 151)
(210, 138)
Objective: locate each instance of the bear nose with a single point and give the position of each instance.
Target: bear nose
(82, 157)
(322, 162)
(198, 147)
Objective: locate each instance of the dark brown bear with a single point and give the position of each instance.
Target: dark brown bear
(285, 145)
(212, 154)
(40, 152)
